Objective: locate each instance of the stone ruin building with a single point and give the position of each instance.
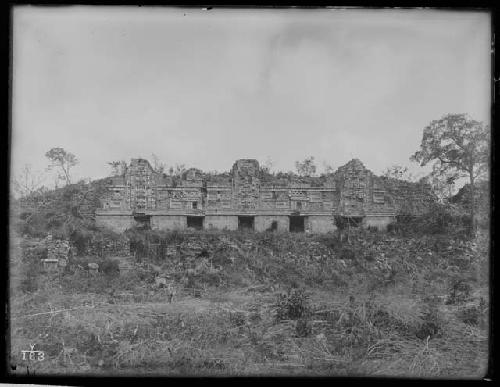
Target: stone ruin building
(249, 198)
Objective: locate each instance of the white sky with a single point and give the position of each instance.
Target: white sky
(204, 88)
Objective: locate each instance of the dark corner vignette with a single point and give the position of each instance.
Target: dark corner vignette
(228, 192)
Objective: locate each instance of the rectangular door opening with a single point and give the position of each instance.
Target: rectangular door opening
(273, 226)
(195, 222)
(142, 221)
(297, 223)
(245, 222)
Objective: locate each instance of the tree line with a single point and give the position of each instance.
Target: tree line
(456, 146)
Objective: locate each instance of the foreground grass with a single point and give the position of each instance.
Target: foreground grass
(366, 321)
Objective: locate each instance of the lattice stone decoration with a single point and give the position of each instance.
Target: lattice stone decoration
(352, 190)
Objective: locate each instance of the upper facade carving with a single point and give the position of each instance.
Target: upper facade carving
(352, 190)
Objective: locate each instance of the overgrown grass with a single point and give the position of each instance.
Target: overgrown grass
(270, 303)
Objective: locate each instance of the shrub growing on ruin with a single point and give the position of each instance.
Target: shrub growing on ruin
(80, 239)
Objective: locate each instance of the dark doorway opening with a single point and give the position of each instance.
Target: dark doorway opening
(195, 222)
(245, 222)
(297, 223)
(142, 221)
(355, 221)
(345, 222)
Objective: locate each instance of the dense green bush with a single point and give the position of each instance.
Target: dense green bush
(80, 238)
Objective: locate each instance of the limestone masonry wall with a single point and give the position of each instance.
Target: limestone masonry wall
(221, 222)
(321, 223)
(247, 197)
(171, 222)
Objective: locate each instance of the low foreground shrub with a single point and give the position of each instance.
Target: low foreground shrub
(293, 305)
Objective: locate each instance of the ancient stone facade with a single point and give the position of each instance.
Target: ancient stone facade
(378, 200)
(248, 198)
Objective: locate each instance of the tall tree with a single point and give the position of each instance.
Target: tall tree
(267, 165)
(442, 184)
(459, 145)
(62, 161)
(398, 172)
(306, 167)
(178, 170)
(158, 165)
(328, 168)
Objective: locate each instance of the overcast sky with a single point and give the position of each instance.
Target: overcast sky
(204, 88)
